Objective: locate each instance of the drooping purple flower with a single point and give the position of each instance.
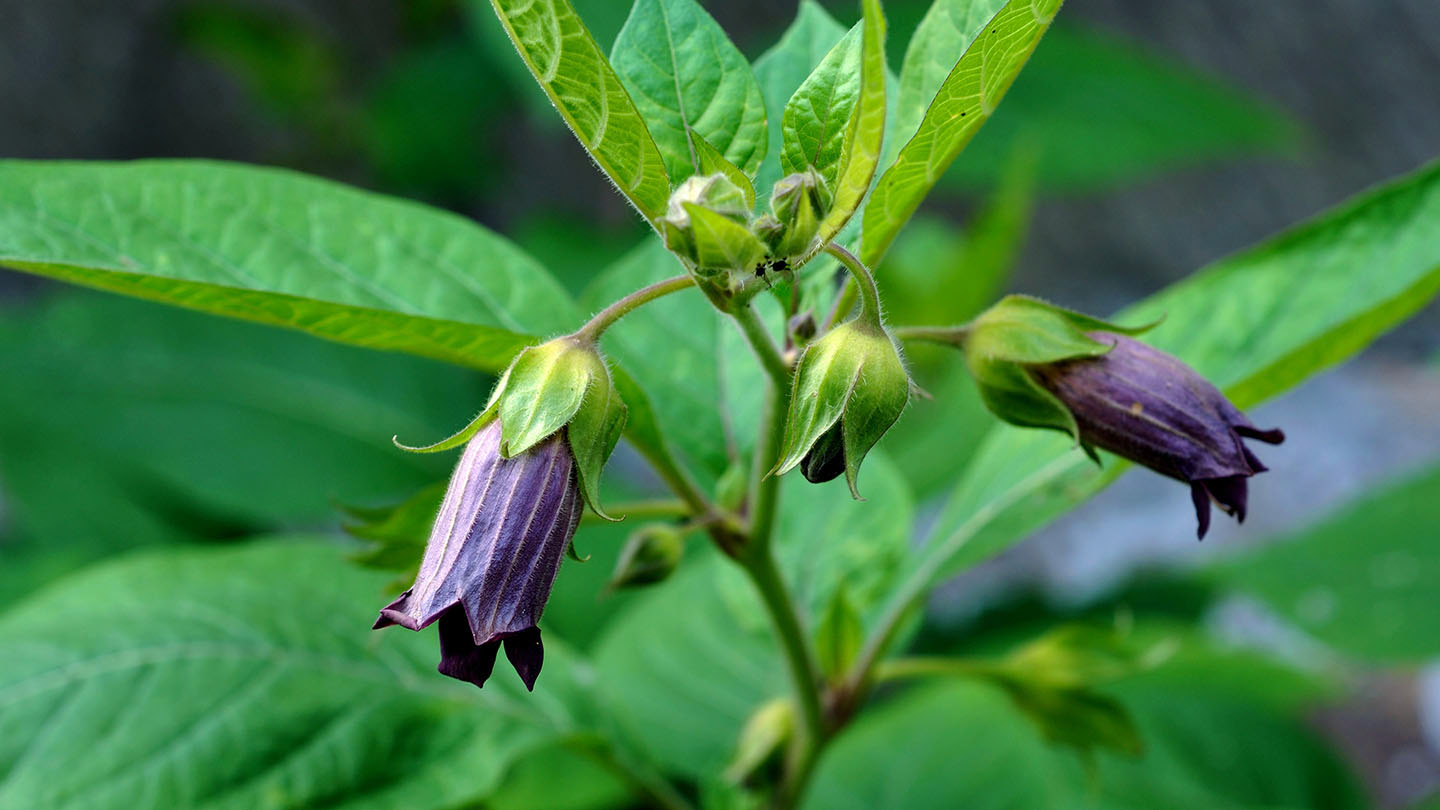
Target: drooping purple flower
(1145, 405)
(492, 556)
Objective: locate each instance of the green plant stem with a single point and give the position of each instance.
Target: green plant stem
(953, 336)
(656, 509)
(758, 560)
(869, 293)
(906, 668)
(606, 318)
(765, 349)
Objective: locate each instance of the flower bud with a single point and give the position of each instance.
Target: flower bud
(705, 222)
(850, 387)
(492, 557)
(797, 204)
(762, 739)
(650, 555)
(1041, 366)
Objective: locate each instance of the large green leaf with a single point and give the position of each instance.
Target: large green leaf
(963, 744)
(688, 78)
(864, 131)
(280, 248)
(964, 100)
(817, 115)
(564, 59)
(942, 37)
(782, 69)
(688, 663)
(246, 678)
(1364, 580)
(1256, 323)
(124, 422)
(1098, 111)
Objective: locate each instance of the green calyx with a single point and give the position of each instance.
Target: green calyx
(797, 205)
(852, 381)
(1019, 332)
(561, 384)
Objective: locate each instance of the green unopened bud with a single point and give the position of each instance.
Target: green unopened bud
(650, 555)
(1018, 333)
(564, 383)
(762, 739)
(705, 222)
(850, 387)
(797, 204)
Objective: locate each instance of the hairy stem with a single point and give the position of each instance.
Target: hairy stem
(953, 336)
(864, 281)
(758, 560)
(607, 317)
(655, 509)
(764, 346)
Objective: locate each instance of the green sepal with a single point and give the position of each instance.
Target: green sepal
(854, 374)
(1022, 329)
(543, 391)
(573, 554)
(468, 432)
(877, 402)
(1018, 332)
(712, 162)
(594, 432)
(721, 243)
(839, 635)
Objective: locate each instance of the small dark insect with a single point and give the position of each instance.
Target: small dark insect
(760, 269)
(779, 266)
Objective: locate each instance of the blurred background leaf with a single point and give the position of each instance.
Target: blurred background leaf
(124, 423)
(236, 680)
(1362, 580)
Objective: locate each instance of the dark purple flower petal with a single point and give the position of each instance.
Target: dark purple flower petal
(526, 654)
(460, 657)
(1145, 405)
(493, 554)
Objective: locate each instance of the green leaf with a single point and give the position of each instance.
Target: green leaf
(542, 391)
(686, 76)
(398, 533)
(280, 248)
(865, 132)
(963, 744)
(124, 423)
(1362, 580)
(818, 114)
(711, 161)
(564, 59)
(965, 99)
(1256, 324)
(782, 69)
(1158, 115)
(684, 670)
(946, 31)
(244, 678)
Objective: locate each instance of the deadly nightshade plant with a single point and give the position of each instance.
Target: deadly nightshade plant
(426, 283)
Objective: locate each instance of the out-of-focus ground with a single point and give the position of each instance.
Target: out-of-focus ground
(91, 79)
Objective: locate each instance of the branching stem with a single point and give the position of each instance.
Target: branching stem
(607, 317)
